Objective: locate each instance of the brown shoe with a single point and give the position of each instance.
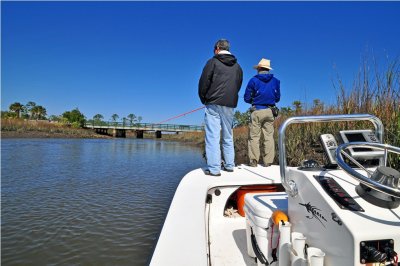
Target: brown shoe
(253, 163)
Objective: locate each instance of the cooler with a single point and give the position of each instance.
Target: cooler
(242, 191)
(258, 208)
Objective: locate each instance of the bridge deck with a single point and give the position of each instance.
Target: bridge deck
(145, 127)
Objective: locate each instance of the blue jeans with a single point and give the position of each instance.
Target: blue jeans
(219, 118)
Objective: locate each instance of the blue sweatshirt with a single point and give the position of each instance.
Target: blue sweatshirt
(262, 91)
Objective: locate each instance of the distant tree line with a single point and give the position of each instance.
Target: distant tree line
(28, 111)
(130, 119)
(77, 119)
(74, 118)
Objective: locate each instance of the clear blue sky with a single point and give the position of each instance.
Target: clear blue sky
(146, 57)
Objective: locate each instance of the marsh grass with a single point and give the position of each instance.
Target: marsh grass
(13, 124)
(41, 128)
(374, 91)
(190, 137)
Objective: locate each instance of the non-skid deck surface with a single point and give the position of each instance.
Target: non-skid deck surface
(229, 244)
(183, 237)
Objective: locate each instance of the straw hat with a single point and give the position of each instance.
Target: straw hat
(264, 63)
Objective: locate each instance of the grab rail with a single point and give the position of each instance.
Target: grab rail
(290, 186)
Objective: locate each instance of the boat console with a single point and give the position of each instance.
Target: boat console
(351, 214)
(343, 213)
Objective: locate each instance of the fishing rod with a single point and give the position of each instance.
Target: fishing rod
(195, 110)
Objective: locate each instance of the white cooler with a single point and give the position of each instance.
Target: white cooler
(258, 208)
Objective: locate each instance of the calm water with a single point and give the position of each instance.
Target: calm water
(87, 202)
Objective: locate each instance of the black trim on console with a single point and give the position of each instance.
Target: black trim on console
(338, 194)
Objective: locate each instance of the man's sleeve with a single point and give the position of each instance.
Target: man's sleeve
(248, 94)
(205, 81)
(240, 77)
(278, 92)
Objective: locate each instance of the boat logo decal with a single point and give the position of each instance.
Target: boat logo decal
(336, 219)
(315, 213)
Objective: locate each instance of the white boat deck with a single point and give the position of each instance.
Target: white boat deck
(186, 245)
(230, 238)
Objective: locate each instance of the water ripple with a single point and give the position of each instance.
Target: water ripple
(87, 202)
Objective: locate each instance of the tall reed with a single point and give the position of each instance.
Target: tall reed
(374, 91)
(43, 128)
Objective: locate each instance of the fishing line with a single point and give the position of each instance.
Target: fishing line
(175, 117)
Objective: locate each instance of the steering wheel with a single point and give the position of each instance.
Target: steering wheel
(367, 181)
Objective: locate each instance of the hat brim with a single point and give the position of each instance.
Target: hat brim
(257, 66)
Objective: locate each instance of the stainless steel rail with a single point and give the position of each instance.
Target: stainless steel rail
(290, 186)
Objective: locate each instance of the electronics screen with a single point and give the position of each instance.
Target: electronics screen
(353, 137)
(357, 137)
(365, 135)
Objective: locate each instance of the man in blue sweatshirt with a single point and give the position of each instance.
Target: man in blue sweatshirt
(262, 92)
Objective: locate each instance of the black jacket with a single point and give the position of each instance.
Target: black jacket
(220, 81)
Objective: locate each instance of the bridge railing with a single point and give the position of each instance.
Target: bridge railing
(143, 126)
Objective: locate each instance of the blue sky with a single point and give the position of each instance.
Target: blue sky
(146, 57)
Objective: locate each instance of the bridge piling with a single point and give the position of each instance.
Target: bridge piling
(101, 131)
(118, 130)
(119, 133)
(139, 134)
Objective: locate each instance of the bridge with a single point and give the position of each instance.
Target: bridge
(118, 129)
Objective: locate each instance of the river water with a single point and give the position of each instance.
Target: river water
(87, 201)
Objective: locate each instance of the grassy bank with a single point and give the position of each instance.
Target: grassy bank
(197, 138)
(19, 128)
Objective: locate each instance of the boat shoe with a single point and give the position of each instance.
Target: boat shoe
(253, 163)
(227, 169)
(207, 172)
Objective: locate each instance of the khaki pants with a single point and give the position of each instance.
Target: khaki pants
(261, 122)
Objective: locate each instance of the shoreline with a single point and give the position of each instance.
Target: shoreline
(88, 134)
(190, 138)
(48, 135)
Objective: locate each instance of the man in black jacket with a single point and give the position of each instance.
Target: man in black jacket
(219, 87)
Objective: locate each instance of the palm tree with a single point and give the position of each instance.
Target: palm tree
(132, 118)
(29, 106)
(318, 106)
(139, 118)
(38, 112)
(114, 117)
(42, 112)
(298, 107)
(286, 111)
(16, 108)
(97, 118)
